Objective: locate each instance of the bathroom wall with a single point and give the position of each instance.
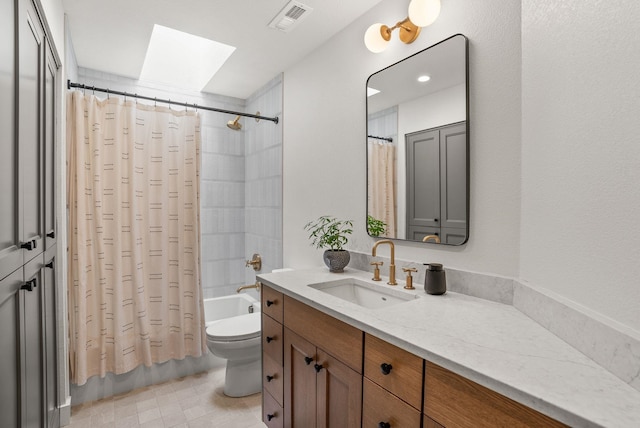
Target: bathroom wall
(580, 153)
(554, 166)
(263, 180)
(324, 135)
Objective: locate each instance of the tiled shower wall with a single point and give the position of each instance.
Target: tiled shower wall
(263, 179)
(241, 179)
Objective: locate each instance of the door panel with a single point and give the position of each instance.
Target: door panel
(9, 347)
(49, 291)
(453, 175)
(300, 381)
(49, 153)
(339, 394)
(32, 347)
(29, 129)
(10, 224)
(423, 183)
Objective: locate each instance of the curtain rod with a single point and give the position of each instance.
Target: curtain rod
(389, 139)
(70, 85)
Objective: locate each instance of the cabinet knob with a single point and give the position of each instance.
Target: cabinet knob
(308, 360)
(318, 367)
(29, 285)
(270, 416)
(270, 302)
(28, 245)
(435, 219)
(49, 265)
(385, 368)
(270, 378)
(384, 425)
(269, 339)
(51, 234)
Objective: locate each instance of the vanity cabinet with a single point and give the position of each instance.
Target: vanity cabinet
(319, 371)
(454, 401)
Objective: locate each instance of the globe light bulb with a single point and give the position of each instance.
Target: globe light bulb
(373, 39)
(424, 12)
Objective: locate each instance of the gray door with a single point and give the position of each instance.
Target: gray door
(10, 216)
(9, 343)
(32, 347)
(49, 151)
(49, 292)
(423, 182)
(453, 177)
(30, 60)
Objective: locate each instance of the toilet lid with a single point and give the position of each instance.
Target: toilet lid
(235, 328)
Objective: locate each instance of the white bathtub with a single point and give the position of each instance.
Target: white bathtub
(218, 308)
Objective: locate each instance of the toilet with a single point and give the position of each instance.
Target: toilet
(237, 339)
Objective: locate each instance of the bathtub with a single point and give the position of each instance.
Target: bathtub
(217, 308)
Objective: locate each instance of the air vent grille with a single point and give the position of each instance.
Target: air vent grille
(290, 16)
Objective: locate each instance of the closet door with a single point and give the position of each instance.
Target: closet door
(10, 217)
(30, 65)
(49, 298)
(453, 177)
(49, 150)
(32, 346)
(9, 344)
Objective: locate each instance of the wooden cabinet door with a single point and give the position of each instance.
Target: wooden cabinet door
(300, 381)
(339, 394)
(9, 343)
(30, 66)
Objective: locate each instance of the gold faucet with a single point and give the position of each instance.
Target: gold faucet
(246, 287)
(392, 266)
(436, 238)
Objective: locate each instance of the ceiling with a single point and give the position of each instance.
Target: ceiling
(112, 36)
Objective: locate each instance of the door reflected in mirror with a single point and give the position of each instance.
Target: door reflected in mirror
(418, 146)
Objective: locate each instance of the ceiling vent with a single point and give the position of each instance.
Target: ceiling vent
(290, 16)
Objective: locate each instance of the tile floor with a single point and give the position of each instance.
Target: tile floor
(191, 402)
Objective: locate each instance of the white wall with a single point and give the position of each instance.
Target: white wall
(325, 145)
(581, 153)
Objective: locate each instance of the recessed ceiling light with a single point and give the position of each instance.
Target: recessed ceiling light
(371, 91)
(424, 78)
(182, 60)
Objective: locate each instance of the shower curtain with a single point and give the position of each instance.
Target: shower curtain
(134, 287)
(382, 184)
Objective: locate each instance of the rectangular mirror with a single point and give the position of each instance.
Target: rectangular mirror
(418, 146)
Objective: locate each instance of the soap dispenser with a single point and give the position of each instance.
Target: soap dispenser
(435, 281)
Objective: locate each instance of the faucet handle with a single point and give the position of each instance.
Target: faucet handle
(409, 284)
(376, 270)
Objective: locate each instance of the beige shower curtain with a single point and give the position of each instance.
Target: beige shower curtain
(134, 267)
(382, 184)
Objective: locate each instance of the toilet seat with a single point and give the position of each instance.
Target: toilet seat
(235, 329)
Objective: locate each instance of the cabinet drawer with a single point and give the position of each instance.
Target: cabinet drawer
(271, 302)
(453, 400)
(395, 369)
(272, 414)
(324, 331)
(272, 338)
(380, 406)
(272, 379)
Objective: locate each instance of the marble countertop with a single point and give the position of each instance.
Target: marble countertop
(490, 343)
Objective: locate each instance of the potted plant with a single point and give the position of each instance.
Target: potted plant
(331, 234)
(375, 227)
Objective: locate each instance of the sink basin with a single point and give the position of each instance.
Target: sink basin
(362, 293)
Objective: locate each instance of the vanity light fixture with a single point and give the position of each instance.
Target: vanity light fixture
(421, 14)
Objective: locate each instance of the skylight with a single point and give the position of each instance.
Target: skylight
(182, 60)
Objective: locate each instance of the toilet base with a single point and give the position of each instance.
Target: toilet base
(243, 378)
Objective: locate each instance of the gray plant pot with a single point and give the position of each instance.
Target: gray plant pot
(336, 260)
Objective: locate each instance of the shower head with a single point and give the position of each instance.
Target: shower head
(235, 124)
